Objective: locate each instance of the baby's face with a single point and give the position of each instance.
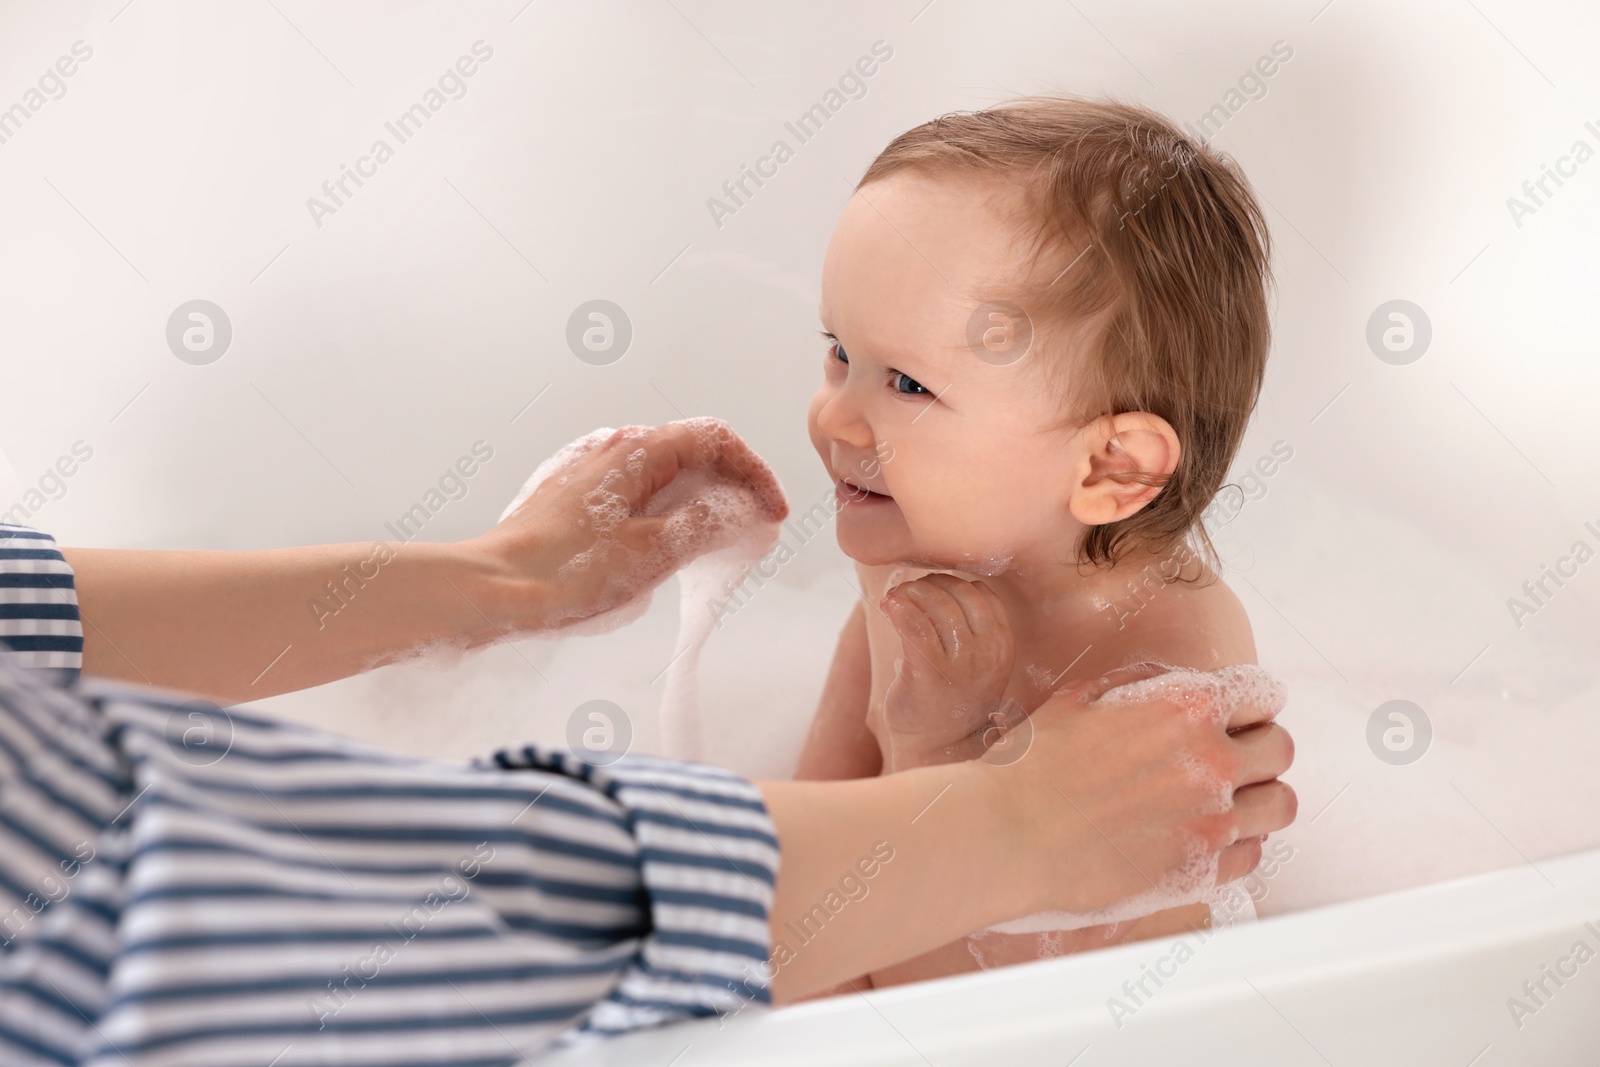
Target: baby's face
(939, 457)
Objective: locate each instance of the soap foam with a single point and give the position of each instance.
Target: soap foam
(1206, 696)
(717, 526)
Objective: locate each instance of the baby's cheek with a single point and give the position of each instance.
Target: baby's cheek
(932, 496)
(959, 524)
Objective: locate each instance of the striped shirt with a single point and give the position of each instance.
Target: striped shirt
(39, 621)
(187, 884)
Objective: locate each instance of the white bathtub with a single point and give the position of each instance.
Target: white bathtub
(1421, 976)
(1406, 918)
(374, 348)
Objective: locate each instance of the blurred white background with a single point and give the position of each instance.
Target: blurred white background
(430, 310)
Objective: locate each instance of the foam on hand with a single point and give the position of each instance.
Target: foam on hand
(738, 513)
(1205, 696)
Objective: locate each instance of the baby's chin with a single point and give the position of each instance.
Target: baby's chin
(865, 551)
(880, 552)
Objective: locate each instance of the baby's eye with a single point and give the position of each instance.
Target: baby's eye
(904, 383)
(835, 349)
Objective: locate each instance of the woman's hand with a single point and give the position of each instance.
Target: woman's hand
(584, 543)
(1132, 810)
(956, 656)
(1109, 800)
(238, 626)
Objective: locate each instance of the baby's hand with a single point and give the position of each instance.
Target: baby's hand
(956, 658)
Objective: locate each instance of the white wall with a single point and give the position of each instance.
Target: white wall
(371, 351)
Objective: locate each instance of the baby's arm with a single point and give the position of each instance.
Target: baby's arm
(839, 744)
(945, 704)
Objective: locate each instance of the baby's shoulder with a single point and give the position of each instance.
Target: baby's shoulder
(1199, 624)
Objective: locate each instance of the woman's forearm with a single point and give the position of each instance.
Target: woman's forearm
(857, 854)
(242, 625)
(237, 626)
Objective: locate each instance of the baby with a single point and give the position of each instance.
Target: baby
(1046, 329)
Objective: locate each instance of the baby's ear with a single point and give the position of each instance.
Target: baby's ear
(1126, 460)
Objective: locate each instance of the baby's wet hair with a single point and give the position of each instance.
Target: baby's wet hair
(1149, 247)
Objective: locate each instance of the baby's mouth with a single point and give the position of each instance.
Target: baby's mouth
(850, 493)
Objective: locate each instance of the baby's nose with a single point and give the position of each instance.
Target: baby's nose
(840, 419)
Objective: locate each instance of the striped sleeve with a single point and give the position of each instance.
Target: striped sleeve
(708, 863)
(186, 884)
(39, 621)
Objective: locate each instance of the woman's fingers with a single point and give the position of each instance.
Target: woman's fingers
(1263, 809)
(1243, 712)
(592, 504)
(669, 450)
(1238, 860)
(1262, 704)
(689, 445)
(637, 462)
(1259, 810)
(1264, 752)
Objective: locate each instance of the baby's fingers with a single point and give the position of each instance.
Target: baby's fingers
(981, 606)
(942, 609)
(918, 634)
